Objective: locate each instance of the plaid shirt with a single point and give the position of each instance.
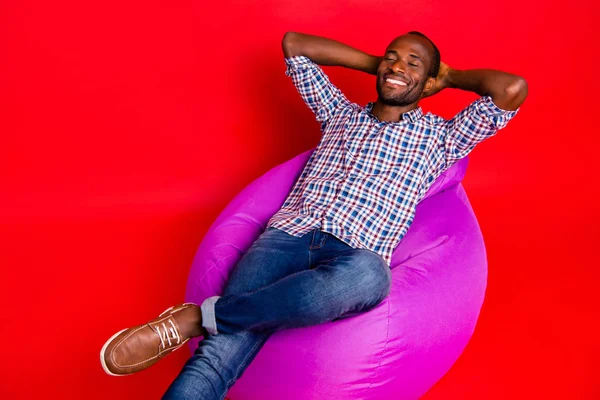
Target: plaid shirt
(365, 178)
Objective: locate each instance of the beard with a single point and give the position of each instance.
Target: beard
(405, 98)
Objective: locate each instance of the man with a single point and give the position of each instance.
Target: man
(325, 254)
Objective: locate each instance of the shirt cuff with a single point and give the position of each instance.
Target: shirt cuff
(488, 106)
(494, 114)
(298, 63)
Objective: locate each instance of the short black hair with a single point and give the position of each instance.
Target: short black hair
(435, 63)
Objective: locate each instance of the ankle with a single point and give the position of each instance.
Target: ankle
(190, 322)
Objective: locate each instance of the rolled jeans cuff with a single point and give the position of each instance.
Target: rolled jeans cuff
(209, 321)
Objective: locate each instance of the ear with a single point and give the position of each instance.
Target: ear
(429, 88)
(430, 83)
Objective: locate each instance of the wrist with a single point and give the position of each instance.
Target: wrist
(373, 65)
(451, 78)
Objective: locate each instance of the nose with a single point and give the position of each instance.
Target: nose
(399, 66)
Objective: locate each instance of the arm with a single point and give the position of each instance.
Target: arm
(507, 91)
(479, 121)
(325, 51)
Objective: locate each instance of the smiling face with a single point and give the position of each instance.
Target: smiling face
(404, 71)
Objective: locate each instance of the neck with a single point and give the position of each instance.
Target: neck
(384, 112)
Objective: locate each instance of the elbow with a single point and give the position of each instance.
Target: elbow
(515, 93)
(289, 44)
(517, 89)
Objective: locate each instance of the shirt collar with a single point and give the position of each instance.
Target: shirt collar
(410, 116)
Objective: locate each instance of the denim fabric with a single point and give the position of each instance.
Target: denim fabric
(282, 281)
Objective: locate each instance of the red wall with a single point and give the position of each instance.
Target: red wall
(127, 126)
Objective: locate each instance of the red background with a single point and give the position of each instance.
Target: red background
(126, 127)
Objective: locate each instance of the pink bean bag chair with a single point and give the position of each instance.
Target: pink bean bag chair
(397, 350)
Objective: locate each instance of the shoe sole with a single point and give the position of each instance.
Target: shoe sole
(105, 367)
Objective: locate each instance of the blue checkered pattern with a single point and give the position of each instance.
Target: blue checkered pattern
(365, 178)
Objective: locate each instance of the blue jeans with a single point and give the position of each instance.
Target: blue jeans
(281, 282)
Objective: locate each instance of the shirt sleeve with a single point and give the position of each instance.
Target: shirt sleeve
(319, 94)
(480, 120)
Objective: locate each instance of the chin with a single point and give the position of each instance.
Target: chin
(395, 102)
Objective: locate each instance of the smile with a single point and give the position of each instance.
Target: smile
(395, 82)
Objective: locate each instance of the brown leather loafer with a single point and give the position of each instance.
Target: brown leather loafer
(134, 349)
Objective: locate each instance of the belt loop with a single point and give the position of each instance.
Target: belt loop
(314, 239)
(324, 236)
(318, 240)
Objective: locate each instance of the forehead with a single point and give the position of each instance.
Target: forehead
(411, 44)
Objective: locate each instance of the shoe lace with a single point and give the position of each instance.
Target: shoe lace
(168, 333)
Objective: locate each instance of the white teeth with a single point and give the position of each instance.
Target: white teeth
(395, 82)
